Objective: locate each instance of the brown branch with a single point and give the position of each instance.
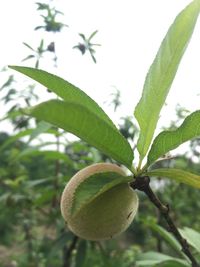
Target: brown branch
(68, 252)
(142, 184)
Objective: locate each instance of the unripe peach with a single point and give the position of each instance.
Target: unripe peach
(108, 214)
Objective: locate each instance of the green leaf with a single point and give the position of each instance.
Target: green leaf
(94, 186)
(92, 35)
(162, 72)
(44, 198)
(4, 198)
(81, 121)
(58, 245)
(12, 115)
(28, 57)
(177, 175)
(168, 140)
(27, 45)
(48, 154)
(9, 82)
(168, 237)
(174, 263)
(65, 90)
(14, 138)
(192, 237)
(55, 143)
(41, 127)
(39, 182)
(158, 259)
(81, 253)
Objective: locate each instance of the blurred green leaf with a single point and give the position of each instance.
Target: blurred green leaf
(27, 45)
(92, 35)
(157, 259)
(81, 121)
(82, 36)
(180, 176)
(58, 244)
(162, 72)
(192, 237)
(12, 114)
(4, 197)
(11, 94)
(14, 138)
(168, 140)
(41, 127)
(81, 253)
(28, 57)
(38, 182)
(8, 83)
(94, 186)
(44, 144)
(172, 263)
(16, 182)
(168, 237)
(86, 45)
(40, 48)
(48, 154)
(42, 6)
(44, 197)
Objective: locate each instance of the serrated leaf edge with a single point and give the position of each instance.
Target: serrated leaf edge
(29, 111)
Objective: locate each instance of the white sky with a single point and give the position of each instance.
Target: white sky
(130, 33)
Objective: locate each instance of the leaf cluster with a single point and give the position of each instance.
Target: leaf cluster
(77, 113)
(50, 21)
(87, 45)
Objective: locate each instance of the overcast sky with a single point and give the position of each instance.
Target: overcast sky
(130, 33)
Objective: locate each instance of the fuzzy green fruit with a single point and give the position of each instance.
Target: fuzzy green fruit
(107, 215)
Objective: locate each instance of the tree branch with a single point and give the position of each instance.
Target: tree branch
(142, 184)
(68, 252)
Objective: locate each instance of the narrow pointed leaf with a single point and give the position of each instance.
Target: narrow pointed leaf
(158, 259)
(169, 140)
(92, 35)
(180, 176)
(82, 36)
(168, 237)
(33, 183)
(162, 72)
(14, 138)
(27, 45)
(41, 127)
(81, 254)
(80, 121)
(64, 89)
(28, 57)
(58, 245)
(94, 186)
(48, 154)
(192, 237)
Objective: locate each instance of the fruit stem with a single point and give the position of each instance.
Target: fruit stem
(133, 170)
(143, 184)
(139, 164)
(142, 170)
